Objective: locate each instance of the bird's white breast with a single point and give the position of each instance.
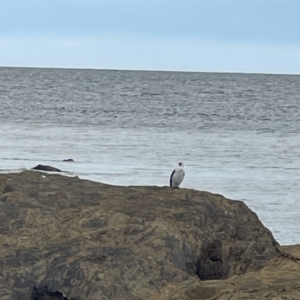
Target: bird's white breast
(178, 176)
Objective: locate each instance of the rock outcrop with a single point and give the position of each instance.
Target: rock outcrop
(279, 280)
(66, 238)
(46, 168)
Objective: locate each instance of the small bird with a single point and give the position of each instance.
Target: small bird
(177, 176)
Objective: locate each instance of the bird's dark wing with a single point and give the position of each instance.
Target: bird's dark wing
(171, 177)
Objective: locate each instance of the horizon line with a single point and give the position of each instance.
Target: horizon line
(148, 70)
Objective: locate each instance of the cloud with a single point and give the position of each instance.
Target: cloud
(135, 53)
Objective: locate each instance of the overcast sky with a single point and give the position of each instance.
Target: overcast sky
(257, 36)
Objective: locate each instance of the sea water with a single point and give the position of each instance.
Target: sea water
(237, 134)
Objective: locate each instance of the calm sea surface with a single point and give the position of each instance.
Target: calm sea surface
(237, 134)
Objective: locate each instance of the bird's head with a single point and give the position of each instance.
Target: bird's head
(180, 164)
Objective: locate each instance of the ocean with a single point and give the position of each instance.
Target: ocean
(237, 134)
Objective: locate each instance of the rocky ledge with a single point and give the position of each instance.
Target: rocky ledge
(66, 238)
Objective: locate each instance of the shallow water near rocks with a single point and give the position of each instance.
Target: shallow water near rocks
(237, 134)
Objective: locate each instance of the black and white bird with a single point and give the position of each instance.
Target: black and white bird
(177, 176)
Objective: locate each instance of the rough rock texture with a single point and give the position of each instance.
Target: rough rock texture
(78, 239)
(279, 280)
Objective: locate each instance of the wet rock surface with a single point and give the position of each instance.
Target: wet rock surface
(78, 239)
(46, 168)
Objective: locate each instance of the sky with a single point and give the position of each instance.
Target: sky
(249, 36)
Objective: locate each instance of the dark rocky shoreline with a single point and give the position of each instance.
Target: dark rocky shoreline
(66, 238)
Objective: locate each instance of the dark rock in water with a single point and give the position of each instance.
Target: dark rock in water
(46, 168)
(69, 160)
(88, 240)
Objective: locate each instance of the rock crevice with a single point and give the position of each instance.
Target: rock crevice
(88, 240)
